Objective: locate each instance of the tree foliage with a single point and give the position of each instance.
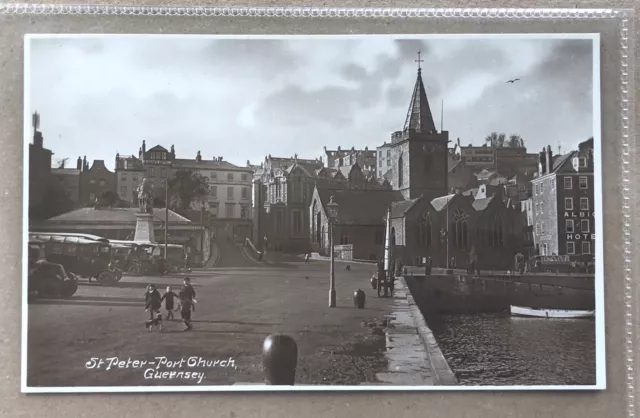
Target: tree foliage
(185, 188)
(500, 140)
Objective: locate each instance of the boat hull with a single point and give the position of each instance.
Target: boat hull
(550, 313)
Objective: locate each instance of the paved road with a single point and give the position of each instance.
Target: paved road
(238, 307)
(233, 255)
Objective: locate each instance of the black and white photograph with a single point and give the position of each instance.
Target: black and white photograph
(303, 213)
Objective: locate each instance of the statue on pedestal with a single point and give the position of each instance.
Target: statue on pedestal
(145, 197)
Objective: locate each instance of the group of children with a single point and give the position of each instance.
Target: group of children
(153, 304)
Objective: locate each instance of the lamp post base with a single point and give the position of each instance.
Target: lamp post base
(332, 298)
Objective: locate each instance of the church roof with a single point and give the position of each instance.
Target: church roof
(419, 117)
(481, 204)
(399, 209)
(352, 202)
(441, 202)
(346, 170)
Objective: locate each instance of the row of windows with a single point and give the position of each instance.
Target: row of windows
(213, 191)
(229, 210)
(583, 183)
(569, 226)
(568, 205)
(101, 182)
(163, 174)
(585, 247)
(584, 203)
(570, 246)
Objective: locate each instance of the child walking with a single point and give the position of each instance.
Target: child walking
(168, 302)
(152, 305)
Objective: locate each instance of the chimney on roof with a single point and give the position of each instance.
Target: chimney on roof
(79, 164)
(85, 166)
(366, 148)
(542, 162)
(144, 146)
(198, 157)
(338, 147)
(549, 160)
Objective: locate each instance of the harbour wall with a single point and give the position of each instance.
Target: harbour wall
(464, 294)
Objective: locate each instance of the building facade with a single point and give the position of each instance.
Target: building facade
(338, 158)
(563, 203)
(39, 169)
(129, 175)
(229, 198)
(69, 181)
(426, 220)
(95, 181)
(383, 160)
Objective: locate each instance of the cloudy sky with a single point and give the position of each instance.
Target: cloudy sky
(246, 98)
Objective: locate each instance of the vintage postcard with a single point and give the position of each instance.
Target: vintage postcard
(228, 213)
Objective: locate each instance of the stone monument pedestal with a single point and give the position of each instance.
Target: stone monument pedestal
(144, 228)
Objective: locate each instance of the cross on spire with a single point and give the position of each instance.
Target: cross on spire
(419, 61)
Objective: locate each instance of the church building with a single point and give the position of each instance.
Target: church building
(428, 218)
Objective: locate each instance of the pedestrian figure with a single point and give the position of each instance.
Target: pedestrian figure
(168, 302)
(307, 257)
(472, 269)
(428, 266)
(152, 305)
(186, 305)
(189, 292)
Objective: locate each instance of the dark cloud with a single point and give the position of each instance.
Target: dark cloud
(568, 72)
(353, 72)
(294, 106)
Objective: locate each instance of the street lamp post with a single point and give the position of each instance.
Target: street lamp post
(332, 212)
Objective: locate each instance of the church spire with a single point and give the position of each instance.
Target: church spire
(419, 118)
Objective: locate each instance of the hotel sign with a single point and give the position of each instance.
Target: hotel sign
(581, 236)
(580, 214)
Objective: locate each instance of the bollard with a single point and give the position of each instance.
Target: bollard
(279, 359)
(359, 299)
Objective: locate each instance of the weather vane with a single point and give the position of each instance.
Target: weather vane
(419, 60)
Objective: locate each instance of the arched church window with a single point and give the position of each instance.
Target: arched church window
(400, 172)
(425, 229)
(460, 228)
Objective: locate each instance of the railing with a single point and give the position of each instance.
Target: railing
(257, 253)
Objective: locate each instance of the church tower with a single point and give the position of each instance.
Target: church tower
(419, 151)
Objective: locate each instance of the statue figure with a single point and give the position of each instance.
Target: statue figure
(145, 197)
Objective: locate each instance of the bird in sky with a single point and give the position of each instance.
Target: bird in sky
(513, 80)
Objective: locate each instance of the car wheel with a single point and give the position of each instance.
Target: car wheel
(69, 288)
(106, 277)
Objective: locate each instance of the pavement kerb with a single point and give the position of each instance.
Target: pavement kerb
(315, 256)
(443, 375)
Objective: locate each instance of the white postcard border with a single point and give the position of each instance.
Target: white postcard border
(599, 259)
